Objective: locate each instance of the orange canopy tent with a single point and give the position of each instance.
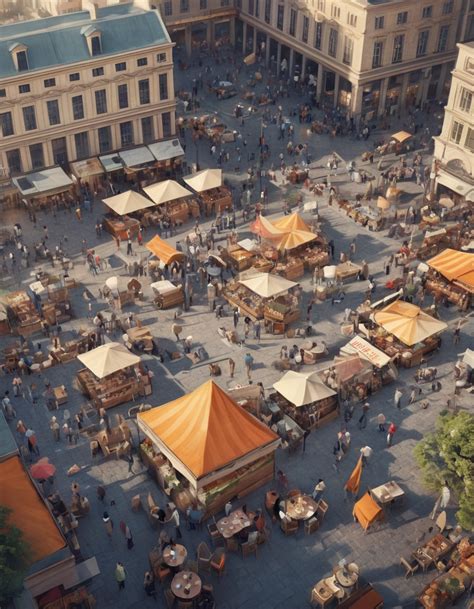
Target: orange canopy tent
(295, 238)
(353, 484)
(263, 227)
(205, 431)
(164, 251)
(367, 511)
(455, 266)
(29, 512)
(292, 222)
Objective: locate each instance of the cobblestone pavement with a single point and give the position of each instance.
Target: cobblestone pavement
(286, 568)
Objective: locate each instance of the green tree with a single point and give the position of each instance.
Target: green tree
(447, 455)
(13, 558)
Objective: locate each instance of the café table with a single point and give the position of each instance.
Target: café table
(186, 585)
(387, 493)
(174, 556)
(233, 523)
(345, 577)
(301, 507)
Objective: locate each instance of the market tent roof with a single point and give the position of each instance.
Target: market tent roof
(127, 202)
(107, 359)
(29, 512)
(292, 222)
(87, 167)
(111, 162)
(347, 367)
(370, 353)
(295, 238)
(367, 511)
(401, 136)
(408, 322)
(267, 285)
(456, 185)
(165, 191)
(42, 182)
(263, 227)
(163, 250)
(454, 265)
(164, 151)
(136, 156)
(206, 429)
(204, 180)
(302, 388)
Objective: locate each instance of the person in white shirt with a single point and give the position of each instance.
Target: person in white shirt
(319, 490)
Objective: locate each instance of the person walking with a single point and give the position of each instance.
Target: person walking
(120, 575)
(247, 322)
(231, 367)
(100, 493)
(176, 329)
(32, 442)
(363, 417)
(352, 249)
(319, 490)
(127, 534)
(8, 409)
(236, 316)
(129, 247)
(17, 386)
(175, 520)
(391, 432)
(257, 329)
(248, 361)
(414, 394)
(149, 584)
(108, 524)
(381, 421)
(366, 453)
(55, 429)
(397, 398)
(457, 334)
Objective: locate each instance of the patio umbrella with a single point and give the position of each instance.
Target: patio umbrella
(408, 322)
(353, 483)
(166, 191)
(42, 470)
(263, 227)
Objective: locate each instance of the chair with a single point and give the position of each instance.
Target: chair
(231, 544)
(218, 561)
(184, 604)
(250, 546)
(311, 525)
(216, 537)
(161, 572)
(321, 511)
(270, 499)
(410, 565)
(192, 565)
(289, 527)
(204, 557)
(169, 598)
(321, 595)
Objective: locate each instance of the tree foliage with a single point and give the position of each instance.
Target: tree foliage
(13, 558)
(447, 455)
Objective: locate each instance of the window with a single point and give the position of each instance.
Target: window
(29, 118)
(144, 91)
(183, 6)
(163, 84)
(121, 67)
(59, 151)
(456, 132)
(203, 5)
(268, 11)
(427, 12)
(53, 112)
(447, 7)
(126, 133)
(257, 8)
(105, 139)
(422, 43)
(161, 58)
(74, 76)
(97, 72)
(49, 82)
(379, 22)
(77, 107)
(293, 17)
(398, 48)
(352, 19)
(321, 5)
(22, 61)
(348, 50)
(335, 11)
(6, 124)
(168, 8)
(148, 132)
(3, 92)
(402, 18)
(280, 16)
(82, 144)
(251, 7)
(465, 101)
(143, 61)
(305, 31)
(14, 162)
(101, 101)
(443, 38)
(24, 89)
(122, 92)
(377, 54)
(166, 123)
(332, 46)
(96, 45)
(470, 140)
(37, 156)
(318, 35)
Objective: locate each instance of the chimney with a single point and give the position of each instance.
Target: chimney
(91, 7)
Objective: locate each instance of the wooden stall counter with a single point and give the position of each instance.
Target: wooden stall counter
(217, 200)
(293, 269)
(178, 211)
(21, 311)
(238, 258)
(118, 226)
(315, 258)
(347, 270)
(248, 303)
(403, 356)
(118, 388)
(115, 442)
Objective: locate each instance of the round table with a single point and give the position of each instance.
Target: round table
(186, 585)
(346, 578)
(302, 507)
(177, 558)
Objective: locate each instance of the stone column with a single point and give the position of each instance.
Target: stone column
(319, 82)
(442, 79)
(291, 64)
(303, 67)
(403, 92)
(336, 89)
(187, 40)
(278, 59)
(382, 97)
(210, 34)
(267, 51)
(232, 31)
(356, 100)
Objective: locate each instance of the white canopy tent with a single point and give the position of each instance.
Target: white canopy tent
(267, 285)
(205, 180)
(127, 202)
(166, 191)
(107, 359)
(301, 389)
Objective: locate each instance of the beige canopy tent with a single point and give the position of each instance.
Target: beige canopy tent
(107, 359)
(302, 388)
(382, 203)
(205, 180)
(267, 285)
(408, 322)
(127, 202)
(291, 222)
(401, 136)
(294, 239)
(166, 191)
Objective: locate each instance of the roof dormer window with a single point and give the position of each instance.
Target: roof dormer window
(19, 53)
(94, 40)
(96, 45)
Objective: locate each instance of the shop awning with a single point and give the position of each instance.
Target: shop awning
(267, 285)
(408, 322)
(294, 239)
(136, 157)
(292, 222)
(29, 512)
(302, 389)
(164, 151)
(455, 266)
(168, 190)
(43, 182)
(107, 359)
(163, 250)
(111, 162)
(347, 367)
(456, 184)
(401, 136)
(367, 511)
(204, 180)
(86, 168)
(127, 202)
(363, 348)
(205, 429)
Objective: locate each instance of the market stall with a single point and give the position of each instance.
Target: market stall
(169, 156)
(24, 319)
(211, 448)
(39, 188)
(167, 294)
(367, 512)
(215, 198)
(112, 376)
(138, 165)
(88, 171)
(166, 255)
(306, 399)
(174, 198)
(121, 291)
(451, 277)
(119, 224)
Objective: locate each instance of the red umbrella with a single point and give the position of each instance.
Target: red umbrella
(42, 470)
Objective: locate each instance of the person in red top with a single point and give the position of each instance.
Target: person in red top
(391, 431)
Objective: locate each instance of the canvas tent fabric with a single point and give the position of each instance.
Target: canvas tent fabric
(164, 151)
(107, 359)
(353, 483)
(29, 512)
(370, 353)
(111, 162)
(401, 136)
(366, 511)
(408, 322)
(87, 167)
(42, 182)
(163, 287)
(267, 285)
(460, 187)
(455, 266)
(168, 190)
(136, 156)
(127, 202)
(292, 222)
(301, 389)
(204, 180)
(163, 250)
(206, 430)
(295, 238)
(263, 227)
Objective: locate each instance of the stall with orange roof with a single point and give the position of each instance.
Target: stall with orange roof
(367, 512)
(451, 277)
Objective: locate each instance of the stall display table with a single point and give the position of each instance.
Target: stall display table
(60, 395)
(387, 493)
(238, 258)
(347, 270)
(141, 335)
(119, 226)
(293, 269)
(216, 200)
(186, 585)
(233, 523)
(167, 294)
(112, 390)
